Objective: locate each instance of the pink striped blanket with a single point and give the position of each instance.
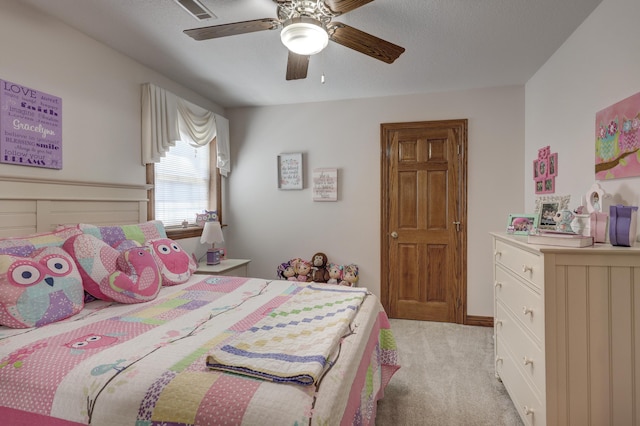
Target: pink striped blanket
(146, 364)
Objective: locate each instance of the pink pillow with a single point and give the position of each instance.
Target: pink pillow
(130, 276)
(24, 246)
(176, 266)
(42, 288)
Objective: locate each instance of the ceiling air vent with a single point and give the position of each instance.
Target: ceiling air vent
(196, 9)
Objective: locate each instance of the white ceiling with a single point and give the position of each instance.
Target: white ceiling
(450, 45)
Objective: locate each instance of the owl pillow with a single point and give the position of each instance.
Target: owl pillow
(176, 266)
(116, 234)
(128, 276)
(24, 246)
(40, 289)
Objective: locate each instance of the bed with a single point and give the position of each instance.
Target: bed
(199, 352)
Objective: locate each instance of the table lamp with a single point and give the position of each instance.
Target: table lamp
(212, 234)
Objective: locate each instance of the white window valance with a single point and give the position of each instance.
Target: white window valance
(167, 118)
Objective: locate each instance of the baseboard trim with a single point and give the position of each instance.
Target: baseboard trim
(480, 321)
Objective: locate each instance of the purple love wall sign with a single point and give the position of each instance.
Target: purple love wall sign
(30, 127)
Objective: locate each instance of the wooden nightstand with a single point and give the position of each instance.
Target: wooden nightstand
(229, 267)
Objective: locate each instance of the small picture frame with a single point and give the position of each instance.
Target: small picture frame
(552, 167)
(522, 224)
(290, 170)
(594, 198)
(543, 168)
(325, 184)
(546, 208)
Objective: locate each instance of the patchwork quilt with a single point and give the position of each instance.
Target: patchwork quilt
(146, 364)
(297, 341)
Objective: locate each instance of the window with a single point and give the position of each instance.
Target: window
(181, 187)
(185, 182)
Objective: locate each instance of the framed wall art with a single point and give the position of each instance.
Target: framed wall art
(545, 170)
(30, 127)
(325, 184)
(546, 208)
(618, 140)
(290, 170)
(521, 224)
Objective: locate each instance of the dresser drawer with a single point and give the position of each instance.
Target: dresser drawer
(527, 353)
(525, 304)
(531, 409)
(523, 263)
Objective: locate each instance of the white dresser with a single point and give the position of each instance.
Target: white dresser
(567, 331)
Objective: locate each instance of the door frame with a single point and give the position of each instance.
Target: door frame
(460, 127)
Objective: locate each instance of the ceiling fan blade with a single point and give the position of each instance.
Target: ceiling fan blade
(364, 43)
(224, 30)
(297, 66)
(344, 6)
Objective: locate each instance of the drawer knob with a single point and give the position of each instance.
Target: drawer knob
(497, 253)
(527, 361)
(498, 322)
(528, 411)
(498, 359)
(527, 268)
(497, 284)
(527, 311)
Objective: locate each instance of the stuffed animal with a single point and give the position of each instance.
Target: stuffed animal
(563, 220)
(286, 272)
(280, 270)
(335, 273)
(350, 275)
(319, 271)
(302, 269)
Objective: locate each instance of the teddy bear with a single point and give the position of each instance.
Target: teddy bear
(335, 273)
(349, 275)
(302, 269)
(319, 271)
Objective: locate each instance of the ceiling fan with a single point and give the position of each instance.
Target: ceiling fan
(306, 29)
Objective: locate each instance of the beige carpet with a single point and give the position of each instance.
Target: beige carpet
(446, 379)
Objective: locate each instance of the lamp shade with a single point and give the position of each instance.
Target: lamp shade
(212, 233)
(304, 36)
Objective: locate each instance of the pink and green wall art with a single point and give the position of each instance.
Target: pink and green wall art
(618, 140)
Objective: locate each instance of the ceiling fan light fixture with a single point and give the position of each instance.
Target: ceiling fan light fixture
(304, 36)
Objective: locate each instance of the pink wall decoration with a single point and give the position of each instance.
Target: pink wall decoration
(618, 140)
(545, 170)
(30, 127)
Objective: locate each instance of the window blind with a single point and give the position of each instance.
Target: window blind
(182, 183)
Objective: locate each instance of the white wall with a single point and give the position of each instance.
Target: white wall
(101, 142)
(596, 67)
(100, 91)
(271, 226)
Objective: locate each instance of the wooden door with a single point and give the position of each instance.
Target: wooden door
(423, 220)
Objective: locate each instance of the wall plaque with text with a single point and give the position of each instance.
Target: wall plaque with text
(30, 127)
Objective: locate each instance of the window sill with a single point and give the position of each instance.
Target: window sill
(179, 233)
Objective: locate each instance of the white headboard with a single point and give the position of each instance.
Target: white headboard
(29, 206)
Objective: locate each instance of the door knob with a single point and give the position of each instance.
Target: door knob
(394, 234)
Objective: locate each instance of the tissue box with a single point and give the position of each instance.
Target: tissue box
(623, 225)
